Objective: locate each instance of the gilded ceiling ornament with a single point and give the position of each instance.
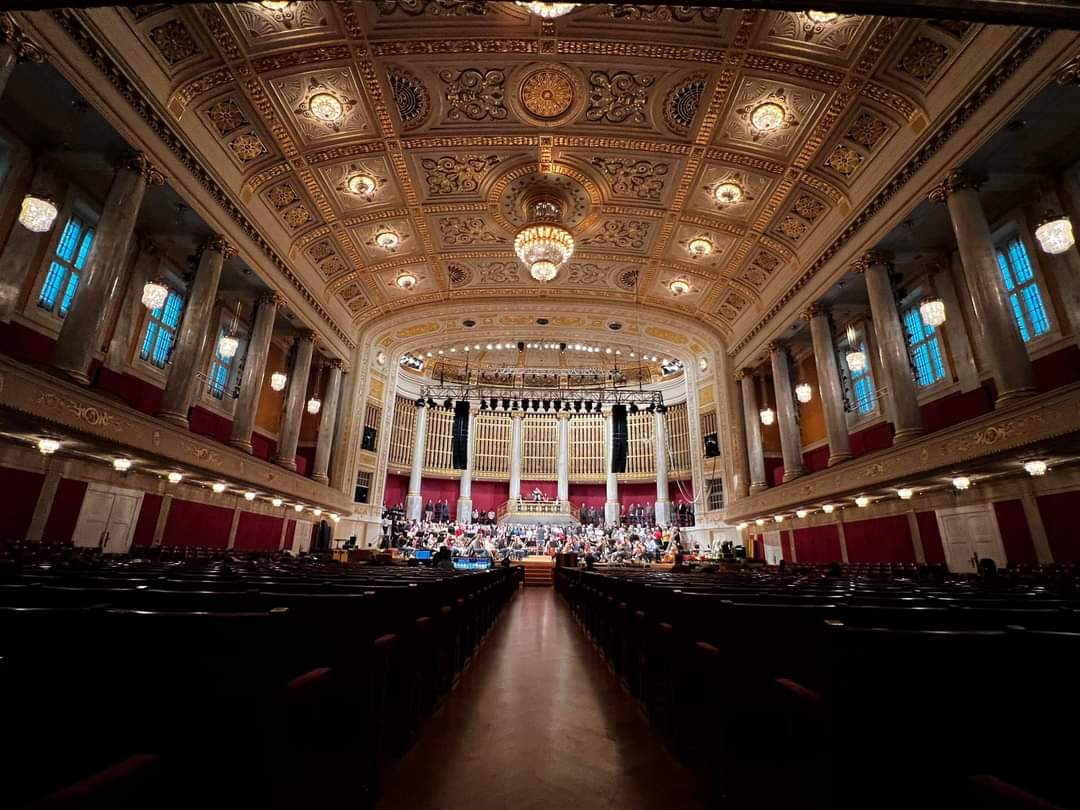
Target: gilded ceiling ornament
(459, 275)
(500, 273)
(226, 116)
(923, 58)
(628, 177)
(584, 274)
(263, 19)
(682, 102)
(467, 231)
(954, 28)
(410, 95)
(844, 160)
(247, 147)
(138, 162)
(219, 244)
(297, 217)
(450, 174)
(663, 13)
(321, 250)
(618, 97)
(547, 93)
(627, 279)
(332, 266)
(809, 208)
(474, 94)
(629, 234)
(325, 105)
(792, 227)
(282, 196)
(954, 181)
(174, 41)
(25, 49)
(874, 258)
(766, 116)
(867, 129)
(434, 8)
(1069, 73)
(141, 10)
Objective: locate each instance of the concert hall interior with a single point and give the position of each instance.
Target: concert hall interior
(478, 403)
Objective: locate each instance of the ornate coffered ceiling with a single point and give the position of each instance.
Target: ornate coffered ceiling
(367, 140)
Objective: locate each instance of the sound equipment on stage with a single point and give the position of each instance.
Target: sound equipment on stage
(712, 446)
(460, 445)
(619, 438)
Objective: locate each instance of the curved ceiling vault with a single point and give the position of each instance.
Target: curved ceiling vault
(449, 110)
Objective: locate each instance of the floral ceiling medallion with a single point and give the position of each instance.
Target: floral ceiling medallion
(325, 106)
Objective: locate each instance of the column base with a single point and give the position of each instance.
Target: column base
(663, 512)
(414, 504)
(287, 463)
(838, 458)
(320, 478)
(77, 374)
(902, 436)
(758, 487)
(241, 445)
(791, 475)
(173, 418)
(611, 512)
(1009, 397)
(464, 510)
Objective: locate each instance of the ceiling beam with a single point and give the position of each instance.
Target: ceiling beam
(1042, 13)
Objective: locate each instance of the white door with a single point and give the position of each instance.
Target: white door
(302, 537)
(108, 514)
(969, 534)
(773, 551)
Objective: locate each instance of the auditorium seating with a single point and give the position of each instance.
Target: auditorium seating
(797, 689)
(222, 679)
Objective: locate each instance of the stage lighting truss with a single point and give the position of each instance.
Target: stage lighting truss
(544, 400)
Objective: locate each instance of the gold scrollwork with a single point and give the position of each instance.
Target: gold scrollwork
(90, 414)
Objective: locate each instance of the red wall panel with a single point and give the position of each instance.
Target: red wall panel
(305, 460)
(397, 487)
(263, 447)
(930, 535)
(21, 490)
(954, 409)
(207, 423)
(1057, 369)
(25, 344)
(136, 393)
(290, 534)
(774, 470)
(60, 527)
(1062, 521)
(594, 495)
(816, 459)
(488, 495)
(197, 525)
(875, 437)
(257, 532)
(439, 489)
(879, 540)
(147, 520)
(550, 489)
(1015, 534)
(817, 544)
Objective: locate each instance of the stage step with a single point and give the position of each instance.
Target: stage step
(539, 572)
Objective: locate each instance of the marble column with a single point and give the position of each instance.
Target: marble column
(892, 346)
(515, 456)
(327, 422)
(125, 334)
(660, 448)
(611, 502)
(562, 465)
(829, 386)
(787, 417)
(754, 450)
(741, 463)
(464, 502)
(251, 383)
(17, 260)
(81, 332)
(1005, 350)
(186, 371)
(414, 502)
(295, 401)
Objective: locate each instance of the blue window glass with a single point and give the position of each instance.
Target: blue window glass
(62, 280)
(1026, 300)
(862, 384)
(219, 371)
(925, 348)
(161, 327)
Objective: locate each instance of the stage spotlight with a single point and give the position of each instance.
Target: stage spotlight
(493, 403)
(558, 405)
(505, 404)
(547, 404)
(419, 402)
(483, 404)
(633, 408)
(577, 405)
(448, 403)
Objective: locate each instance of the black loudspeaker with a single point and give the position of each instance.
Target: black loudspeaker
(712, 446)
(461, 435)
(619, 438)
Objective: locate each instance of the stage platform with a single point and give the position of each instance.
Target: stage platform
(550, 513)
(539, 571)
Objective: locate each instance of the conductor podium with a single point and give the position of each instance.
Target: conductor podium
(524, 510)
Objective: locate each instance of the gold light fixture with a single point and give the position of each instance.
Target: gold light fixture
(679, 286)
(299, 507)
(275, 5)
(175, 477)
(905, 493)
(961, 483)
(278, 380)
(728, 193)
(768, 116)
(932, 311)
(700, 247)
(740, 526)
(821, 17)
(1035, 468)
(387, 240)
(862, 501)
(759, 522)
(249, 495)
(335, 517)
(547, 10)
(406, 281)
(276, 502)
(856, 360)
(217, 487)
(361, 184)
(828, 508)
(154, 294)
(317, 512)
(768, 416)
(804, 392)
(544, 245)
(121, 464)
(47, 446)
(326, 107)
(1055, 234)
(229, 343)
(37, 213)
(801, 513)
(778, 518)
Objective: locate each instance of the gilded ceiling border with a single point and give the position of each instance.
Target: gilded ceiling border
(990, 85)
(78, 32)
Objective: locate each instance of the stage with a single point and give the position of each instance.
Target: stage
(549, 513)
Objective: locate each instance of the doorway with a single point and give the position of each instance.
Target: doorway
(108, 515)
(969, 534)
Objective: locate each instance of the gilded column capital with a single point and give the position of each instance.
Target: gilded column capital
(813, 311)
(270, 298)
(873, 258)
(140, 164)
(774, 346)
(954, 181)
(1069, 73)
(747, 373)
(219, 244)
(306, 335)
(562, 416)
(26, 50)
(335, 362)
(740, 375)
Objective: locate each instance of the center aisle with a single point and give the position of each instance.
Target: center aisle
(538, 721)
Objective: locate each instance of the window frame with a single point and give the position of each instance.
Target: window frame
(74, 206)
(1014, 227)
(937, 336)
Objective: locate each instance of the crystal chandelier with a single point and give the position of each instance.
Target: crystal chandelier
(961, 483)
(905, 493)
(175, 477)
(276, 502)
(278, 380)
(1055, 234)
(856, 360)
(544, 245)
(121, 464)
(801, 513)
(37, 213)
(547, 10)
(679, 286)
(249, 495)
(154, 294)
(804, 393)
(768, 416)
(47, 446)
(314, 405)
(229, 343)
(932, 311)
(828, 508)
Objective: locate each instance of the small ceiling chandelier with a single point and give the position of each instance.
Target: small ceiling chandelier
(905, 493)
(121, 464)
(828, 508)
(406, 281)
(679, 286)
(546, 9)
(700, 247)
(298, 507)
(728, 193)
(275, 5)
(856, 359)
(759, 522)
(175, 477)
(326, 107)
(862, 502)
(961, 483)
(276, 502)
(1035, 468)
(544, 245)
(932, 311)
(804, 392)
(217, 487)
(768, 116)
(229, 343)
(1055, 234)
(314, 405)
(278, 380)
(768, 416)
(249, 495)
(154, 294)
(822, 16)
(362, 185)
(387, 240)
(37, 213)
(801, 513)
(47, 446)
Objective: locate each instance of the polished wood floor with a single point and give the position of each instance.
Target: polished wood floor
(538, 721)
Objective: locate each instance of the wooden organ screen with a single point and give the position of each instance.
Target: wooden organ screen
(588, 458)
(539, 446)
(491, 446)
(401, 433)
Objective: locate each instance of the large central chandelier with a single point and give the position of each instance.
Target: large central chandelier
(544, 245)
